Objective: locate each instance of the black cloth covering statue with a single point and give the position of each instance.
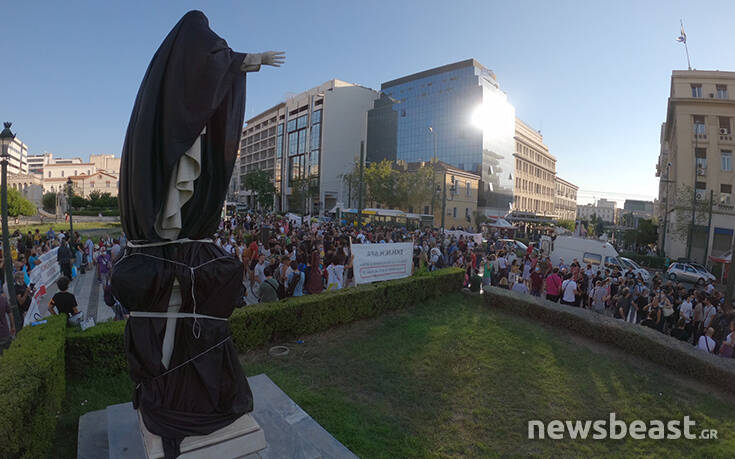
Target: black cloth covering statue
(193, 91)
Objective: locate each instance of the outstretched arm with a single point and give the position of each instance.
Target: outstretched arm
(253, 61)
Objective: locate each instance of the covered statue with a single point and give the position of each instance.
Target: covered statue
(180, 148)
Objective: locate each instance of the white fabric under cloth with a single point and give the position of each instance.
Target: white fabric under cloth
(180, 190)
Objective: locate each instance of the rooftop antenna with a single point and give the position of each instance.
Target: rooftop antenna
(683, 39)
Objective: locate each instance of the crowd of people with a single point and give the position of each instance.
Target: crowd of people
(75, 256)
(284, 258)
(694, 315)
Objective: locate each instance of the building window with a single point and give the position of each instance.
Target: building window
(726, 194)
(316, 136)
(291, 126)
(75, 172)
(696, 90)
(316, 117)
(724, 125)
(721, 91)
(107, 184)
(302, 121)
(700, 190)
(726, 160)
(293, 143)
(468, 188)
(91, 184)
(62, 172)
(699, 127)
(426, 210)
(49, 174)
(701, 158)
(454, 212)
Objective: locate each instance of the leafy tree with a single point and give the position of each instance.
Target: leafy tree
(18, 205)
(77, 202)
(647, 232)
(49, 202)
(568, 224)
(259, 182)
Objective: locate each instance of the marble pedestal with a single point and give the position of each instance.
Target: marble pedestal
(276, 420)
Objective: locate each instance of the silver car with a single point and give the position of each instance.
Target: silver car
(686, 273)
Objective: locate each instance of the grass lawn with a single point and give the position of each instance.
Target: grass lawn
(59, 226)
(454, 378)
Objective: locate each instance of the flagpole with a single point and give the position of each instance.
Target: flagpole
(686, 47)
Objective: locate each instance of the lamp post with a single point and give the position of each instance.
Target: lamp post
(6, 137)
(70, 193)
(666, 209)
(433, 170)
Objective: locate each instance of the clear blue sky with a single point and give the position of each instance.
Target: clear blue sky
(593, 76)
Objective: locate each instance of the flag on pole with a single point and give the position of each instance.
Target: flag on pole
(683, 37)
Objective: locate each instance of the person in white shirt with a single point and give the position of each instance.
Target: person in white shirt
(569, 291)
(260, 269)
(686, 309)
(710, 288)
(706, 342)
(708, 313)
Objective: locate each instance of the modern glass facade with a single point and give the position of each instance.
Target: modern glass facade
(472, 126)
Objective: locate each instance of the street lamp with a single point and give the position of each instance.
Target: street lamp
(433, 170)
(70, 193)
(6, 138)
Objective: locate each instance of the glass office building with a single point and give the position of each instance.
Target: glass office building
(456, 112)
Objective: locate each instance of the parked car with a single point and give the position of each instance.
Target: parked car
(703, 270)
(688, 273)
(628, 263)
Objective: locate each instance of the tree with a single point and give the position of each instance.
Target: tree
(259, 182)
(647, 232)
(48, 202)
(568, 224)
(18, 205)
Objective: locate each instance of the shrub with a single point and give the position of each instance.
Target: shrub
(634, 339)
(256, 325)
(32, 387)
(98, 351)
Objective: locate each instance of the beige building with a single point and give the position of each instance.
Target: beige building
(535, 173)
(84, 184)
(106, 163)
(696, 159)
(59, 170)
(604, 209)
(565, 199)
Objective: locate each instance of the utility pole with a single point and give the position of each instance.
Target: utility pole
(6, 137)
(444, 197)
(709, 225)
(690, 238)
(666, 209)
(359, 193)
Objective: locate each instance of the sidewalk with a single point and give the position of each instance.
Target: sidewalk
(89, 295)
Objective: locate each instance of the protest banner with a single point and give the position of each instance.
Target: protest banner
(42, 276)
(378, 262)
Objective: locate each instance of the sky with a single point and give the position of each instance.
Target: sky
(594, 77)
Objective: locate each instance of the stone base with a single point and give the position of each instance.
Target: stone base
(285, 430)
(241, 438)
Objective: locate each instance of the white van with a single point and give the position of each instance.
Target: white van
(597, 253)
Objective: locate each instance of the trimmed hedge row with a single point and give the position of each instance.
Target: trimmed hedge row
(32, 387)
(100, 350)
(636, 340)
(293, 317)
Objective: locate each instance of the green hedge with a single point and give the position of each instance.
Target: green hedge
(294, 317)
(100, 350)
(633, 339)
(32, 387)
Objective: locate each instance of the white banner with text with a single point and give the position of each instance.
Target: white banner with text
(379, 262)
(42, 276)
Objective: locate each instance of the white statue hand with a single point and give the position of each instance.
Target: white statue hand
(274, 58)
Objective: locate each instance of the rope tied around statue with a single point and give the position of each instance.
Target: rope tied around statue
(192, 270)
